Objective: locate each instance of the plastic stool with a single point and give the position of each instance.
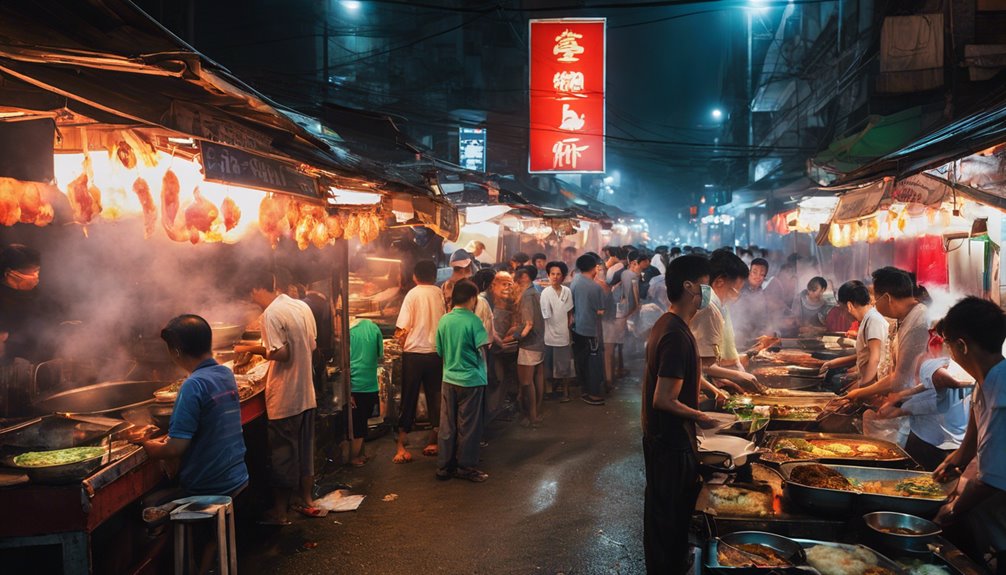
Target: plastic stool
(192, 510)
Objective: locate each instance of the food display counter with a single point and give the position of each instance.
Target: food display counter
(829, 501)
(67, 514)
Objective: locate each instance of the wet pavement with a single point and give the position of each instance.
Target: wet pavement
(564, 498)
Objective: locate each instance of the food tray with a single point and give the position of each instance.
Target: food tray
(900, 461)
(758, 538)
(882, 560)
(707, 504)
(855, 502)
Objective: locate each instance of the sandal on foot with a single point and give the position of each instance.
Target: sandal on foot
(310, 511)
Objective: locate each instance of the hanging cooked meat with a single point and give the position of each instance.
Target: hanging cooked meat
(292, 214)
(319, 235)
(30, 200)
(125, 155)
(334, 226)
(84, 200)
(364, 228)
(352, 227)
(142, 190)
(170, 188)
(201, 213)
(302, 233)
(232, 213)
(272, 218)
(10, 206)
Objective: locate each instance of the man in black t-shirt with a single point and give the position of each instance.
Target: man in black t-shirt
(671, 389)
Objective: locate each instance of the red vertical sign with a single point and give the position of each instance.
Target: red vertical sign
(567, 96)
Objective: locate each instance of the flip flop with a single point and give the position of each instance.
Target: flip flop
(431, 451)
(402, 458)
(310, 511)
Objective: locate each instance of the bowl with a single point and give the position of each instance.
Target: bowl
(923, 532)
(734, 451)
(225, 334)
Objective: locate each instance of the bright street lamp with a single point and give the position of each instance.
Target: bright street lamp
(351, 5)
(717, 114)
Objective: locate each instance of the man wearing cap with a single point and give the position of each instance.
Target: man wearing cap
(461, 262)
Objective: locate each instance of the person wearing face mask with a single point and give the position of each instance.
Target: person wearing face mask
(975, 517)
(672, 384)
(20, 304)
(899, 298)
(713, 329)
(870, 339)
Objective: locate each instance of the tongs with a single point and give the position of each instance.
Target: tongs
(839, 407)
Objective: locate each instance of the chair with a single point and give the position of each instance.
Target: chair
(197, 510)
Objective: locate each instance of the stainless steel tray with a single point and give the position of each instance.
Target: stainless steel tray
(882, 560)
(777, 542)
(902, 460)
(857, 502)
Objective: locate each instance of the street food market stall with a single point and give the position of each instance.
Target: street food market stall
(152, 183)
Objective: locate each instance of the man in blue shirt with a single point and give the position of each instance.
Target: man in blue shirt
(205, 429)
(588, 308)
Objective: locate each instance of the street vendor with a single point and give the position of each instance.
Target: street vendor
(671, 389)
(712, 332)
(937, 407)
(289, 339)
(897, 297)
(810, 310)
(205, 429)
(975, 517)
(20, 305)
(855, 297)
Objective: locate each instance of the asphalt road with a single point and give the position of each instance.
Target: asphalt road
(566, 498)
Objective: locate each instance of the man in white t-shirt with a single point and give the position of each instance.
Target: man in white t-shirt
(422, 368)
(557, 309)
(288, 341)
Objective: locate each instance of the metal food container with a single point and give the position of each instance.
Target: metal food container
(882, 560)
(66, 472)
(849, 502)
(926, 532)
(900, 461)
(789, 548)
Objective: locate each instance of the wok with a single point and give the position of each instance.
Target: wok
(106, 397)
(67, 472)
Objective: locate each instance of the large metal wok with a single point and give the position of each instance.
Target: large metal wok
(102, 398)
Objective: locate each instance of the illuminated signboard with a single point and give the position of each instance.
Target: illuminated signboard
(472, 148)
(567, 96)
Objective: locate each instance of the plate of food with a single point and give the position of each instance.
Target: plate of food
(169, 393)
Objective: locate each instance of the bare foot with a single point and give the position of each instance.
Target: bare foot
(402, 456)
(430, 450)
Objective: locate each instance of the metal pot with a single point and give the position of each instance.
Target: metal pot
(106, 397)
(927, 531)
(225, 334)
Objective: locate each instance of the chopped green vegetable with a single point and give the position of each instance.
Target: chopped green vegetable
(58, 457)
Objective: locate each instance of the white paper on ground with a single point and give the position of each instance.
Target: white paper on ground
(340, 500)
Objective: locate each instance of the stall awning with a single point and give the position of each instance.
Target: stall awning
(862, 202)
(881, 136)
(110, 58)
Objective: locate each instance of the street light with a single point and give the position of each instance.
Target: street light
(351, 5)
(717, 114)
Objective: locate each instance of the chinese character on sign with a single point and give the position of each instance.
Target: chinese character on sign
(570, 120)
(566, 45)
(565, 153)
(569, 82)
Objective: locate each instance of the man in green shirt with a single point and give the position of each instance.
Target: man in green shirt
(366, 350)
(461, 339)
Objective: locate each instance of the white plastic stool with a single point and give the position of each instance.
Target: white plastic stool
(192, 510)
